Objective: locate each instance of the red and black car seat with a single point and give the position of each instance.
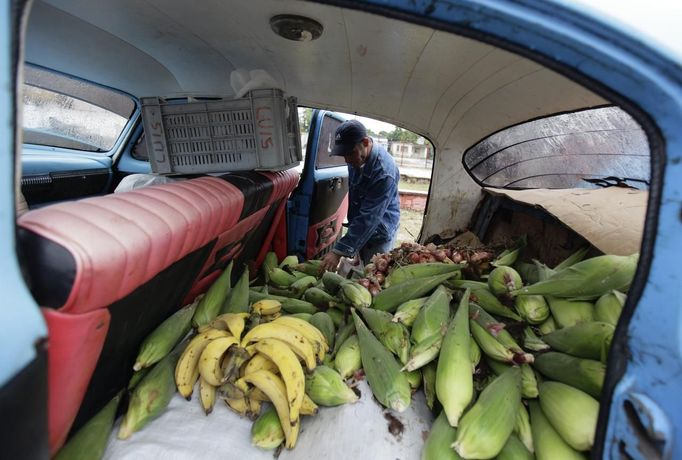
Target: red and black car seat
(107, 270)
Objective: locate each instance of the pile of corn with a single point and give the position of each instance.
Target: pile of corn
(512, 362)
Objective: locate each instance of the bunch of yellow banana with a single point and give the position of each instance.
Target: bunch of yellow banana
(246, 368)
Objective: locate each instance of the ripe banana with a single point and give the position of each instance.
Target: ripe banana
(297, 342)
(233, 322)
(207, 394)
(307, 330)
(266, 307)
(260, 362)
(290, 370)
(232, 363)
(211, 356)
(187, 368)
(239, 405)
(308, 407)
(273, 386)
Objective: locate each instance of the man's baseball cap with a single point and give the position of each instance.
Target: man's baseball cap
(348, 135)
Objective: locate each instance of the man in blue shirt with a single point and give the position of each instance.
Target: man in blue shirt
(374, 204)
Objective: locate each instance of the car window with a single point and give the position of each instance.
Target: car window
(584, 149)
(60, 111)
(325, 144)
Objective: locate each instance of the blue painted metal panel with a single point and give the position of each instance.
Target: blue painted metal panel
(624, 69)
(37, 160)
(126, 163)
(24, 325)
(298, 206)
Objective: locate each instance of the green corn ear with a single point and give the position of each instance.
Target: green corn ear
(389, 299)
(543, 271)
(532, 342)
(393, 336)
(289, 261)
(407, 312)
(237, 300)
(498, 331)
(454, 380)
(91, 439)
(528, 272)
(342, 333)
(606, 346)
(414, 378)
(489, 344)
(151, 396)
(491, 304)
(573, 413)
(332, 282)
(549, 445)
(299, 286)
(532, 308)
(355, 294)
(608, 307)
(429, 377)
(522, 428)
(325, 324)
(289, 305)
(269, 263)
(389, 386)
(336, 316)
(326, 387)
(503, 280)
(585, 340)
(309, 267)
(514, 450)
(529, 384)
(573, 259)
(348, 359)
(210, 303)
(319, 297)
(548, 326)
(588, 279)
(412, 271)
(283, 292)
(570, 312)
(137, 377)
(166, 335)
(484, 429)
(585, 374)
(303, 315)
(281, 278)
(424, 352)
(441, 437)
(433, 317)
(266, 431)
(508, 256)
(474, 354)
(466, 284)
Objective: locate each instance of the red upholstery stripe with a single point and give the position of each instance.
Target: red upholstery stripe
(121, 241)
(75, 342)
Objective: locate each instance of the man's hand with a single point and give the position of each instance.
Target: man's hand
(330, 262)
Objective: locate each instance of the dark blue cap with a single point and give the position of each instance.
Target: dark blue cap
(348, 135)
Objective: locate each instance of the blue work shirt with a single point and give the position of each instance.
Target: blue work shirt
(373, 203)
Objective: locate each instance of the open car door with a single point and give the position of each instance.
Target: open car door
(318, 206)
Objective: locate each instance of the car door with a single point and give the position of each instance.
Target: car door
(72, 131)
(318, 206)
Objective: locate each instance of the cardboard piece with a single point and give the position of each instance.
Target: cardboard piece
(611, 219)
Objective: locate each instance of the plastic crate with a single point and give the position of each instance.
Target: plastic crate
(256, 132)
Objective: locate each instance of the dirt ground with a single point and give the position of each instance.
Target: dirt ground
(410, 226)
